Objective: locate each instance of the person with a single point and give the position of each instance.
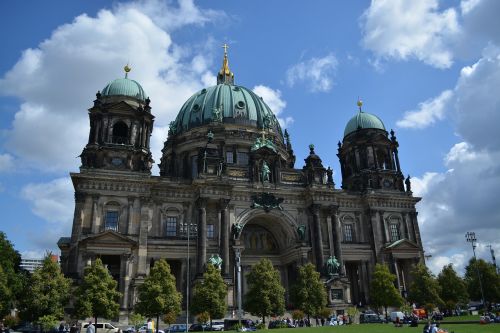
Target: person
(150, 325)
(397, 323)
(90, 328)
(61, 328)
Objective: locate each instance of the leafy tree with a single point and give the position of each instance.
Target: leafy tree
(424, 289)
(203, 317)
(10, 261)
(453, 290)
(158, 295)
(136, 319)
(298, 314)
(489, 278)
(383, 292)
(266, 295)
(210, 294)
(47, 322)
(308, 293)
(47, 293)
(169, 318)
(97, 294)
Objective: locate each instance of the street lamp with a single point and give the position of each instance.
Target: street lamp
(238, 273)
(188, 228)
(471, 238)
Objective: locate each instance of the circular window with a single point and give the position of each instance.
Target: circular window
(236, 88)
(203, 90)
(240, 105)
(196, 107)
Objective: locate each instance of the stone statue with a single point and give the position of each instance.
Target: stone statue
(329, 175)
(332, 266)
(301, 230)
(408, 184)
(215, 260)
(216, 115)
(265, 172)
(236, 230)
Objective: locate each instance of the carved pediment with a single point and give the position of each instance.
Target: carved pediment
(122, 106)
(109, 238)
(403, 248)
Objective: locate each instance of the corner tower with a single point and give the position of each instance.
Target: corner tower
(121, 124)
(368, 158)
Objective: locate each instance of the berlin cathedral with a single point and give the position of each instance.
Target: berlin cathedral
(229, 190)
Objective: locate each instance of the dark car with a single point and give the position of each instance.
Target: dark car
(368, 318)
(175, 328)
(199, 328)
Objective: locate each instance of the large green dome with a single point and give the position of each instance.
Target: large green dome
(225, 103)
(363, 120)
(124, 87)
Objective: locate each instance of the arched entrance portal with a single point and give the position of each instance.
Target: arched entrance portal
(270, 236)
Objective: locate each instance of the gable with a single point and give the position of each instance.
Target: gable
(109, 238)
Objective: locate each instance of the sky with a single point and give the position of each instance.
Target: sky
(429, 69)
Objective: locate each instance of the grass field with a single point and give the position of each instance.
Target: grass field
(389, 328)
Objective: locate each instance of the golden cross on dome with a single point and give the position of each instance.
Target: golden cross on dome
(225, 47)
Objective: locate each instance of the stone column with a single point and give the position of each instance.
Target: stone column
(334, 211)
(76, 231)
(396, 271)
(202, 235)
(330, 235)
(130, 215)
(124, 280)
(364, 280)
(385, 235)
(93, 218)
(145, 225)
(376, 236)
(224, 234)
(319, 239)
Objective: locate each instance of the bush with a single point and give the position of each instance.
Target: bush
(261, 326)
(11, 321)
(297, 314)
(48, 322)
(237, 327)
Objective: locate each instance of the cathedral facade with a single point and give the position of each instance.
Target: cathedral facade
(229, 191)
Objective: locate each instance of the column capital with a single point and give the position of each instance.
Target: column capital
(223, 203)
(334, 209)
(314, 208)
(201, 202)
(80, 197)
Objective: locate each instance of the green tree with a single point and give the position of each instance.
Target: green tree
(308, 293)
(136, 319)
(97, 294)
(47, 292)
(383, 293)
(10, 276)
(158, 295)
(47, 322)
(424, 289)
(453, 289)
(489, 278)
(266, 295)
(210, 294)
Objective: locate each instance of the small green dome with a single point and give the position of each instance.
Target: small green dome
(225, 103)
(361, 121)
(124, 87)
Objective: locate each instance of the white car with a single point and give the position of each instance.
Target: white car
(102, 327)
(144, 329)
(217, 326)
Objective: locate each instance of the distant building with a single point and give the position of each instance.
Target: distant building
(31, 264)
(228, 185)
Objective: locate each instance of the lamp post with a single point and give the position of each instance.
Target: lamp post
(238, 273)
(493, 258)
(188, 228)
(471, 238)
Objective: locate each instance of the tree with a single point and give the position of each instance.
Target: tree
(308, 293)
(489, 278)
(158, 295)
(210, 294)
(453, 289)
(10, 276)
(136, 319)
(266, 295)
(46, 293)
(383, 293)
(424, 289)
(97, 294)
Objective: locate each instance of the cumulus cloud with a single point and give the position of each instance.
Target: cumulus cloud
(6, 162)
(273, 99)
(316, 73)
(57, 80)
(428, 112)
(405, 30)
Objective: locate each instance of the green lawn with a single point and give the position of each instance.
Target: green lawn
(389, 328)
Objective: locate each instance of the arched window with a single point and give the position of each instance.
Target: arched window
(111, 216)
(120, 133)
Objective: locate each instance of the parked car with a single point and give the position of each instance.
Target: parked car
(144, 329)
(367, 318)
(199, 328)
(101, 328)
(217, 326)
(397, 314)
(175, 328)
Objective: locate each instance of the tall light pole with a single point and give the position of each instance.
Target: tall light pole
(493, 258)
(188, 228)
(471, 238)
(238, 273)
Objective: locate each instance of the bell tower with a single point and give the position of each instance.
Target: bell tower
(368, 157)
(121, 124)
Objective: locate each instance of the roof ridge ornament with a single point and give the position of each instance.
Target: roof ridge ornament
(225, 75)
(127, 69)
(360, 104)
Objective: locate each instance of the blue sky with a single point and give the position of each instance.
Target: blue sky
(429, 69)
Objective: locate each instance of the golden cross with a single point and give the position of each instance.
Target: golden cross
(225, 47)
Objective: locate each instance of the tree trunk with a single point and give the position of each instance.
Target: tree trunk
(385, 307)
(95, 323)
(157, 323)
(264, 320)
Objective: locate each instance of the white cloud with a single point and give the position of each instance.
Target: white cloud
(428, 112)
(57, 80)
(459, 261)
(420, 186)
(317, 73)
(273, 99)
(404, 30)
(6, 162)
(460, 152)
